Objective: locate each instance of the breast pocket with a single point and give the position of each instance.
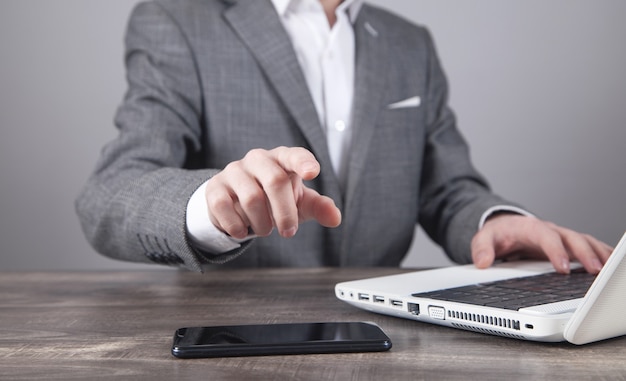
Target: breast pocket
(410, 102)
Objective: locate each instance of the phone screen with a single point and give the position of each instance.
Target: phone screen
(279, 339)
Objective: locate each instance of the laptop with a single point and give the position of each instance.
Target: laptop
(524, 300)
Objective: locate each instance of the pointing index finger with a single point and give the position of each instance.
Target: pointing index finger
(297, 160)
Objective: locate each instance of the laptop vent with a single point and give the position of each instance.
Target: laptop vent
(485, 319)
(487, 331)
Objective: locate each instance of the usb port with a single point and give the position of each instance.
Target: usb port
(363, 296)
(379, 299)
(396, 303)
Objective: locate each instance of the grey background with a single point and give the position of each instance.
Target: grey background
(538, 87)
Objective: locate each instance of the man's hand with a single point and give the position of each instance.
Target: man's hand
(265, 190)
(510, 234)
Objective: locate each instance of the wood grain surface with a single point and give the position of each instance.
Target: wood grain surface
(119, 326)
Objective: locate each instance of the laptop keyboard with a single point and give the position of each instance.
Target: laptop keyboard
(516, 293)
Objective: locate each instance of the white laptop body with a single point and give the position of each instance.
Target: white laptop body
(599, 315)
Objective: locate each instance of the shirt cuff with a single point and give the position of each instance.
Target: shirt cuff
(201, 231)
(501, 208)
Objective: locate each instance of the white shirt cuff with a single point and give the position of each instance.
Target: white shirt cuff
(501, 208)
(201, 231)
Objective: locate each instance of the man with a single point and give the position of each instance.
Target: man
(245, 119)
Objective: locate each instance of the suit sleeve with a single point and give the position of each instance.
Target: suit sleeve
(133, 206)
(453, 195)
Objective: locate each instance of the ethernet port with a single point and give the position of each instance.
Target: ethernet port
(413, 308)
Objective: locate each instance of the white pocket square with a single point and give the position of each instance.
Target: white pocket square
(409, 102)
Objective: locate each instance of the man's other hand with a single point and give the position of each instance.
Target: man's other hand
(507, 234)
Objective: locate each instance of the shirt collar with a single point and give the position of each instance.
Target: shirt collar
(352, 7)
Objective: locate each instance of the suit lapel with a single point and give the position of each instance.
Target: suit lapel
(259, 27)
(368, 92)
(371, 55)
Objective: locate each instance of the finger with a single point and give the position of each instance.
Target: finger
(483, 248)
(602, 249)
(579, 249)
(550, 242)
(297, 160)
(276, 186)
(592, 254)
(222, 211)
(246, 222)
(313, 206)
(252, 206)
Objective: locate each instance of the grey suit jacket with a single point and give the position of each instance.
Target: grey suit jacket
(211, 79)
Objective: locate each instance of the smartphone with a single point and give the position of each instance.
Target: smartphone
(279, 339)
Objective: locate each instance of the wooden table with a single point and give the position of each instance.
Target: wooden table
(119, 325)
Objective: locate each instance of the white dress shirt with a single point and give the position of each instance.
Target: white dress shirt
(326, 56)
